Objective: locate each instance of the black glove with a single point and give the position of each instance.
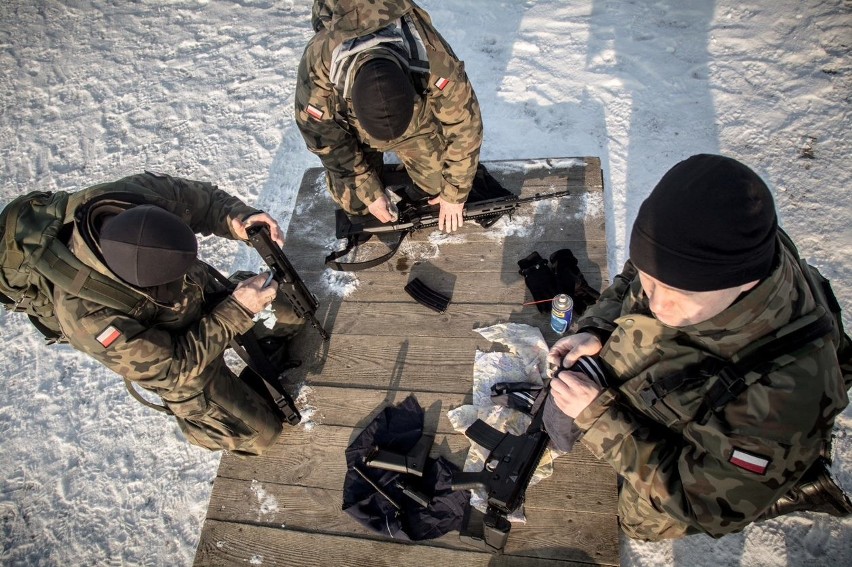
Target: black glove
(539, 279)
(570, 280)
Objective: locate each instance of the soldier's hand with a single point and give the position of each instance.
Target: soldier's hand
(254, 295)
(567, 350)
(240, 226)
(451, 216)
(381, 209)
(573, 392)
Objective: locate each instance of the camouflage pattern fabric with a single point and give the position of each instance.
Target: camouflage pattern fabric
(174, 347)
(440, 148)
(682, 477)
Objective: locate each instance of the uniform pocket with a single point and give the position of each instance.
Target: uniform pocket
(210, 425)
(189, 408)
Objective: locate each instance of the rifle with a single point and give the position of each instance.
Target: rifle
(511, 463)
(304, 302)
(505, 477)
(415, 215)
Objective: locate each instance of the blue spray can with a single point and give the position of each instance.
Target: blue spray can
(561, 313)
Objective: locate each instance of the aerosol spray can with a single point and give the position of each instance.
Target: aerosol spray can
(561, 312)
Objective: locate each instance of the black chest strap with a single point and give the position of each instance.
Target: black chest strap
(730, 375)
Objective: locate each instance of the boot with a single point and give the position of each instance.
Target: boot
(815, 492)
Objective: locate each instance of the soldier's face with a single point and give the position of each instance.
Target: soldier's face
(679, 308)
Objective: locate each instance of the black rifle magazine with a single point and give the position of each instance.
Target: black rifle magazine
(426, 296)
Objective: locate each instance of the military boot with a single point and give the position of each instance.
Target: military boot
(815, 492)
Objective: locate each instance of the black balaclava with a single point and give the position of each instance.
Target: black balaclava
(383, 98)
(709, 224)
(147, 246)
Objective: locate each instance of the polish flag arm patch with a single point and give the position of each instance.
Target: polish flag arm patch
(442, 83)
(749, 461)
(108, 336)
(314, 111)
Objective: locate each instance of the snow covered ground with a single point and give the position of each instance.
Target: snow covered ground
(92, 90)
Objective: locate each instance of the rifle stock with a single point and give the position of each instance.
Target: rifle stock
(304, 302)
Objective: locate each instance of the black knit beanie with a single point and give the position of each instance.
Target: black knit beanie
(383, 98)
(147, 246)
(709, 224)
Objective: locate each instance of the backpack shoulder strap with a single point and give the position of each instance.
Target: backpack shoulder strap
(732, 377)
(67, 272)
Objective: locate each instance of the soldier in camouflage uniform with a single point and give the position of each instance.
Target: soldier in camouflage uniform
(173, 342)
(377, 77)
(708, 275)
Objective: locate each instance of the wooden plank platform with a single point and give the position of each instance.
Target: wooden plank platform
(285, 508)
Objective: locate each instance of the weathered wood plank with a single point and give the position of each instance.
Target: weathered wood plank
(575, 487)
(354, 407)
(349, 407)
(470, 274)
(391, 362)
(391, 319)
(225, 544)
(316, 459)
(320, 511)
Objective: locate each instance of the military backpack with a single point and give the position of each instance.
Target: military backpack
(34, 259)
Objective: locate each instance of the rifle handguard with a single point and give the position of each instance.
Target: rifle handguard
(304, 302)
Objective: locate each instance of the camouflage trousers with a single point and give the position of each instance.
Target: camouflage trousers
(422, 159)
(641, 520)
(229, 412)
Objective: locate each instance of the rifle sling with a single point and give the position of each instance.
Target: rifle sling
(352, 243)
(247, 347)
(138, 397)
(731, 381)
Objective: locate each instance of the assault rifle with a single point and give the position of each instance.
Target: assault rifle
(304, 302)
(511, 463)
(505, 477)
(415, 215)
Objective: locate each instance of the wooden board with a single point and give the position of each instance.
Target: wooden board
(285, 508)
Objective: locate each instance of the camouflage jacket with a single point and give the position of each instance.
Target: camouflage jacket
(719, 476)
(448, 109)
(164, 346)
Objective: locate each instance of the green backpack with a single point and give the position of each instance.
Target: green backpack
(34, 259)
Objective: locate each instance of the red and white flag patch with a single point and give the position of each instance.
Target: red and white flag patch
(749, 461)
(442, 83)
(314, 111)
(108, 336)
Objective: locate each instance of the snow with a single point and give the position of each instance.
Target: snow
(92, 90)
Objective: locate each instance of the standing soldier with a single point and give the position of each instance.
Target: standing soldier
(378, 77)
(139, 232)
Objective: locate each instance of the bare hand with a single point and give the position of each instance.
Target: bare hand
(451, 216)
(240, 227)
(567, 350)
(381, 209)
(253, 296)
(573, 392)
